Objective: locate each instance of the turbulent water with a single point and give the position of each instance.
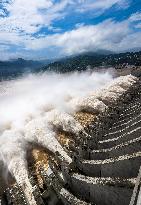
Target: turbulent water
(31, 106)
(34, 95)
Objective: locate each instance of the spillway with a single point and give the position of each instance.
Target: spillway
(89, 155)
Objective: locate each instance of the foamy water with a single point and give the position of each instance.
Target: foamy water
(29, 97)
(31, 108)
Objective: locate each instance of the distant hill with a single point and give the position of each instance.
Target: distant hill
(91, 60)
(16, 67)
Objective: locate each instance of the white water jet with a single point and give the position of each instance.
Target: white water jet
(124, 82)
(88, 104)
(115, 89)
(12, 152)
(64, 121)
(34, 105)
(39, 132)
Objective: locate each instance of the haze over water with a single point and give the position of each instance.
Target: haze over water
(31, 96)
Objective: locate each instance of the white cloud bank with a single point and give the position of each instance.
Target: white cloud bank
(101, 5)
(84, 37)
(25, 18)
(111, 35)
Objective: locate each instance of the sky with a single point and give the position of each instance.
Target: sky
(44, 29)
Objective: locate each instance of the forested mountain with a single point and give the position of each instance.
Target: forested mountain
(91, 60)
(13, 68)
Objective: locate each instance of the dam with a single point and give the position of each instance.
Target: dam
(96, 157)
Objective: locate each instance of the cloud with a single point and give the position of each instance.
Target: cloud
(4, 48)
(6, 55)
(22, 22)
(30, 16)
(110, 35)
(21, 19)
(100, 5)
(105, 35)
(2, 13)
(136, 16)
(138, 26)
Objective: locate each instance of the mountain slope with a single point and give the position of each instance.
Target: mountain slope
(17, 67)
(91, 60)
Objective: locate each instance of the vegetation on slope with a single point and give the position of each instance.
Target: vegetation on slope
(92, 60)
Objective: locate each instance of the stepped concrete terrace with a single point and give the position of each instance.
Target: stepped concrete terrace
(96, 158)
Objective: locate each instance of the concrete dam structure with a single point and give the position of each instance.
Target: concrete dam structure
(96, 157)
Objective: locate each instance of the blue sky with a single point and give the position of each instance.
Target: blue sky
(36, 29)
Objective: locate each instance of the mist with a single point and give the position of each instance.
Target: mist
(31, 106)
(31, 96)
